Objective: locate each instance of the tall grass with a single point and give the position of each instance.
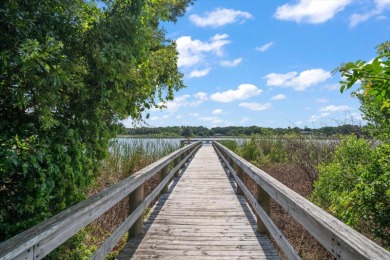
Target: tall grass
(305, 152)
(126, 157)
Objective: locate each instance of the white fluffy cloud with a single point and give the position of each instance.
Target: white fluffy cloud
(176, 103)
(279, 97)
(232, 63)
(185, 101)
(256, 106)
(311, 11)
(220, 17)
(192, 52)
(212, 119)
(201, 96)
(217, 111)
(300, 81)
(376, 10)
(333, 108)
(243, 91)
(326, 111)
(199, 73)
(264, 47)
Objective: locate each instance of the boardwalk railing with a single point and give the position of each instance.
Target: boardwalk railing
(339, 239)
(40, 240)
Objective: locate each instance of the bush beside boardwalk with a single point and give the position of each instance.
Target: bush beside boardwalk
(298, 161)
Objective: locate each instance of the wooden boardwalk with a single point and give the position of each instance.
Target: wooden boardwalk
(198, 217)
(202, 218)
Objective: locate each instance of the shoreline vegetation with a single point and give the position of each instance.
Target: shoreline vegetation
(125, 158)
(73, 70)
(348, 178)
(328, 132)
(296, 161)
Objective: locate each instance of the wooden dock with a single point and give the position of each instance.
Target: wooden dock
(201, 215)
(203, 218)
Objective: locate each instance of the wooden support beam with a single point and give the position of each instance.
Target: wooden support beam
(264, 201)
(135, 199)
(240, 174)
(176, 162)
(163, 174)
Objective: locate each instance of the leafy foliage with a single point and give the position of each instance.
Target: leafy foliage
(70, 70)
(374, 75)
(374, 93)
(355, 187)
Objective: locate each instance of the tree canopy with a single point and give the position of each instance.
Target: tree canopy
(355, 184)
(70, 70)
(374, 91)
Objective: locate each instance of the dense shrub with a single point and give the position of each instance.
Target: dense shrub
(355, 187)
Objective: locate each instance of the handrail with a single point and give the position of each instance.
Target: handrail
(340, 240)
(40, 240)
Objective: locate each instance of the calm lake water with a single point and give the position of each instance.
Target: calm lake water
(149, 141)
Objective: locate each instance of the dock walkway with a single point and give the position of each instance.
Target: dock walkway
(198, 216)
(203, 218)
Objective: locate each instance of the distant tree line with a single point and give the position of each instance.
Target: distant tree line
(201, 131)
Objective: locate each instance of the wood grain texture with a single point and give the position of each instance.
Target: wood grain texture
(263, 216)
(202, 218)
(114, 238)
(340, 240)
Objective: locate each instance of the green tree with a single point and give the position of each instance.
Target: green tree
(70, 71)
(355, 187)
(186, 132)
(374, 93)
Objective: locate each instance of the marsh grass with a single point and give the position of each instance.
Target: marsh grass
(126, 157)
(304, 152)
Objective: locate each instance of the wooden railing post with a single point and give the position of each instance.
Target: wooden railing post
(135, 199)
(227, 158)
(176, 162)
(240, 173)
(163, 173)
(264, 201)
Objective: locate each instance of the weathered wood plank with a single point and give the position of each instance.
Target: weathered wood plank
(134, 217)
(261, 254)
(266, 222)
(339, 239)
(203, 218)
(197, 257)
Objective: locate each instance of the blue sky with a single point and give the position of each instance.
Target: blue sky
(269, 62)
